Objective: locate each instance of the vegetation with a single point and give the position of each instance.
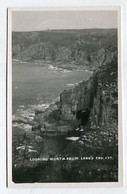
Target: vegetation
(88, 48)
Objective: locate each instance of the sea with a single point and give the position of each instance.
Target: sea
(35, 85)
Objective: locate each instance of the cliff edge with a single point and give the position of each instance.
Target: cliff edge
(90, 104)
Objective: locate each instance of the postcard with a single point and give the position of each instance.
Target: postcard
(64, 121)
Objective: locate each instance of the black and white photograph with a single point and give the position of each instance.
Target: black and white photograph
(63, 93)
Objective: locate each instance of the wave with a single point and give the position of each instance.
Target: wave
(73, 84)
(25, 113)
(70, 84)
(24, 116)
(61, 70)
(38, 106)
(65, 71)
(24, 126)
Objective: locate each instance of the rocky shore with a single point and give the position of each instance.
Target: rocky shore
(88, 112)
(90, 103)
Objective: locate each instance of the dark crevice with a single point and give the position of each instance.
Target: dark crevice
(83, 116)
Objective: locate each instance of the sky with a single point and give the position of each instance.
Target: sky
(43, 20)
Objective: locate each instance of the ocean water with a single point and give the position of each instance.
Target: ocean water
(36, 85)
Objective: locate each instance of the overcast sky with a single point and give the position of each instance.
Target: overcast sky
(43, 20)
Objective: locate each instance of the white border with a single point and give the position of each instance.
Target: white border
(9, 103)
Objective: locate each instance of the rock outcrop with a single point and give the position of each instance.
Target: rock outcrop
(80, 98)
(91, 103)
(99, 136)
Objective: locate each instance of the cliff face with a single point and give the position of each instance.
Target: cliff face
(88, 48)
(93, 107)
(94, 100)
(91, 104)
(105, 103)
(77, 99)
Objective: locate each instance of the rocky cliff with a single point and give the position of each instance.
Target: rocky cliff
(91, 104)
(93, 107)
(95, 99)
(88, 48)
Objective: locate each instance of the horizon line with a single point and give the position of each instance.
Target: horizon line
(66, 29)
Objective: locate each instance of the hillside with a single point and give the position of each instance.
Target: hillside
(88, 48)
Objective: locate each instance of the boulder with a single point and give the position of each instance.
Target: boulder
(48, 127)
(42, 129)
(39, 110)
(38, 139)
